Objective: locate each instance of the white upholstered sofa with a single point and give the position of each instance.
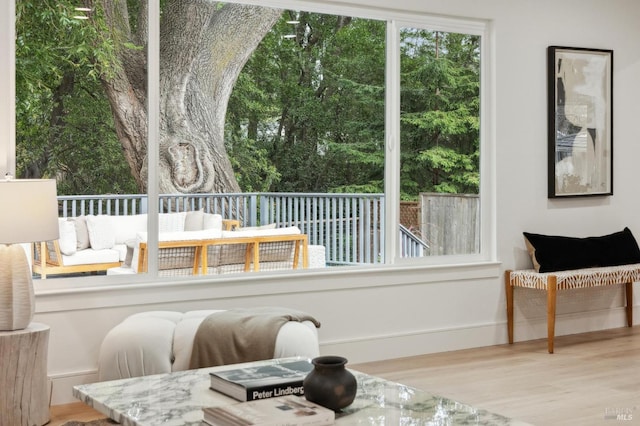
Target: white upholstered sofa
(161, 342)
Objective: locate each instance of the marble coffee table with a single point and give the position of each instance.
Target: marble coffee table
(176, 399)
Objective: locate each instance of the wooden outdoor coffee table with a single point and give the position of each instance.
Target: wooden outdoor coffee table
(176, 399)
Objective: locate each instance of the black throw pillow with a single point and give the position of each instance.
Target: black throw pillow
(551, 253)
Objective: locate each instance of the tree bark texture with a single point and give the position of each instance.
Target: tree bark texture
(203, 48)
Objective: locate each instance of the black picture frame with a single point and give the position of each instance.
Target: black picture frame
(580, 121)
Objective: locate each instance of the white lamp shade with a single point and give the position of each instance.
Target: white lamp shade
(29, 210)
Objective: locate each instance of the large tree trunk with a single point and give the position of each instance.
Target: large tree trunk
(203, 47)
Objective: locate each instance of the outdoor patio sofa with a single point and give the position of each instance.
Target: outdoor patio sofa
(117, 244)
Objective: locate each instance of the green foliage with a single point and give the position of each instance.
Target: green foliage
(440, 124)
(251, 165)
(319, 108)
(64, 127)
(312, 95)
(460, 170)
(307, 113)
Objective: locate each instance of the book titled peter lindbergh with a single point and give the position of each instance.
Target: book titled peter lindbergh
(260, 382)
(282, 411)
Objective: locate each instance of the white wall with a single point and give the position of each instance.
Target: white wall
(394, 312)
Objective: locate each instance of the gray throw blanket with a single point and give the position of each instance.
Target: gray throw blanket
(241, 335)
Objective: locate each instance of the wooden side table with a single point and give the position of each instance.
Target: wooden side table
(23, 376)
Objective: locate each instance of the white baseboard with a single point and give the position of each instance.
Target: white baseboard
(381, 347)
(572, 323)
(62, 385)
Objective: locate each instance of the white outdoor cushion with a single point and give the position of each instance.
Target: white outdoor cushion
(122, 251)
(290, 230)
(193, 220)
(89, 256)
(171, 222)
(140, 237)
(67, 240)
(212, 221)
(257, 228)
(205, 234)
(101, 232)
(82, 233)
(127, 226)
(120, 270)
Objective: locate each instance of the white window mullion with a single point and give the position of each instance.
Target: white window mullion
(392, 145)
(488, 186)
(153, 134)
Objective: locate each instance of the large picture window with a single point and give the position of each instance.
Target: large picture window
(258, 139)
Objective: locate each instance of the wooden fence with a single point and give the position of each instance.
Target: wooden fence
(450, 223)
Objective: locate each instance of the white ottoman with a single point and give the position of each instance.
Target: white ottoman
(157, 342)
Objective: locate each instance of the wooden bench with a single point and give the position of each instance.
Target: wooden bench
(244, 252)
(551, 282)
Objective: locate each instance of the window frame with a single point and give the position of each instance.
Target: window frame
(487, 153)
(395, 20)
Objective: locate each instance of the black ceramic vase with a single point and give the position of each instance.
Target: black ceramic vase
(330, 384)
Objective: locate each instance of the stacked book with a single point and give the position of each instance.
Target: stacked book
(260, 382)
(280, 411)
(269, 394)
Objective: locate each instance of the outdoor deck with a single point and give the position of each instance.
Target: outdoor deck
(349, 226)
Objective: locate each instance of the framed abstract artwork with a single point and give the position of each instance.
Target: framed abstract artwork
(580, 121)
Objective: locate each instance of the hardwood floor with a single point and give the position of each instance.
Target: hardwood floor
(60, 414)
(590, 376)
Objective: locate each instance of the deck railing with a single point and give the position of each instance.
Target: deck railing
(349, 226)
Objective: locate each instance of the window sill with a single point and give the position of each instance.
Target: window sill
(53, 295)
